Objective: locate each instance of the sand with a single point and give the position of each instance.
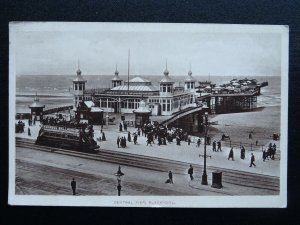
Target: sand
(262, 122)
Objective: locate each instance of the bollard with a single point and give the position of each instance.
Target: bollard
(217, 179)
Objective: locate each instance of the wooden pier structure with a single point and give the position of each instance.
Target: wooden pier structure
(230, 103)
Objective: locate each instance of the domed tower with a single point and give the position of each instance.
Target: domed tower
(36, 109)
(116, 81)
(166, 84)
(189, 83)
(78, 88)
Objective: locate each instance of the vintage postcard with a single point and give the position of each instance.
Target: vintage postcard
(148, 115)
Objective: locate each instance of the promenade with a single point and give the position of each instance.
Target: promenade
(184, 152)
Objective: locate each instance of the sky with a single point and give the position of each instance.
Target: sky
(55, 48)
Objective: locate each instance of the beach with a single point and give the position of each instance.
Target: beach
(262, 123)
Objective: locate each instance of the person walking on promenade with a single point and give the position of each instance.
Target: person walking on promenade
(231, 154)
(135, 138)
(190, 172)
(189, 140)
(139, 132)
(219, 146)
(242, 152)
(73, 185)
(170, 180)
(252, 160)
(148, 141)
(120, 127)
(125, 126)
(118, 142)
(124, 141)
(129, 136)
(29, 133)
(250, 135)
(103, 136)
(214, 146)
(198, 142)
(264, 155)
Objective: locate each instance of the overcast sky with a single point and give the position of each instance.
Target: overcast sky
(54, 49)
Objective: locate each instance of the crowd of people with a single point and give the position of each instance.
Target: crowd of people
(270, 152)
(20, 127)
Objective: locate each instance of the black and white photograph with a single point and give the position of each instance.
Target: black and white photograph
(148, 114)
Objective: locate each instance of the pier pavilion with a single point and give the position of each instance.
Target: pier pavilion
(125, 97)
(36, 109)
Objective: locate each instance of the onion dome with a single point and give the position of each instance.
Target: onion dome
(166, 72)
(36, 103)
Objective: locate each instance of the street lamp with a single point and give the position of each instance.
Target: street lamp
(119, 175)
(204, 175)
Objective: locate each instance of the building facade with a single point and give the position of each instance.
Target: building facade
(125, 97)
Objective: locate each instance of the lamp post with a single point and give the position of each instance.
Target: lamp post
(119, 175)
(204, 175)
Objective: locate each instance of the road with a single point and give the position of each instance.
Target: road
(50, 173)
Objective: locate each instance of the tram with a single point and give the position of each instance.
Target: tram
(78, 138)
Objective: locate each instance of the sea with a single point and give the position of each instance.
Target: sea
(56, 90)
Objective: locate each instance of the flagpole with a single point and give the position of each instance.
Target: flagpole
(128, 71)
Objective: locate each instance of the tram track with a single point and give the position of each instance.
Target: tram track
(230, 176)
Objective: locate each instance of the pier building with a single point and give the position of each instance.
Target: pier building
(125, 97)
(36, 109)
(180, 104)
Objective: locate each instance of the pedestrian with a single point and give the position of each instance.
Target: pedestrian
(250, 135)
(124, 141)
(190, 172)
(125, 126)
(242, 152)
(103, 136)
(214, 146)
(177, 140)
(231, 154)
(171, 177)
(29, 133)
(148, 141)
(129, 136)
(252, 160)
(264, 155)
(118, 142)
(139, 132)
(73, 185)
(120, 127)
(219, 146)
(198, 142)
(189, 140)
(135, 138)
(256, 143)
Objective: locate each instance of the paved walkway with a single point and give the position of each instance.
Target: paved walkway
(184, 152)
